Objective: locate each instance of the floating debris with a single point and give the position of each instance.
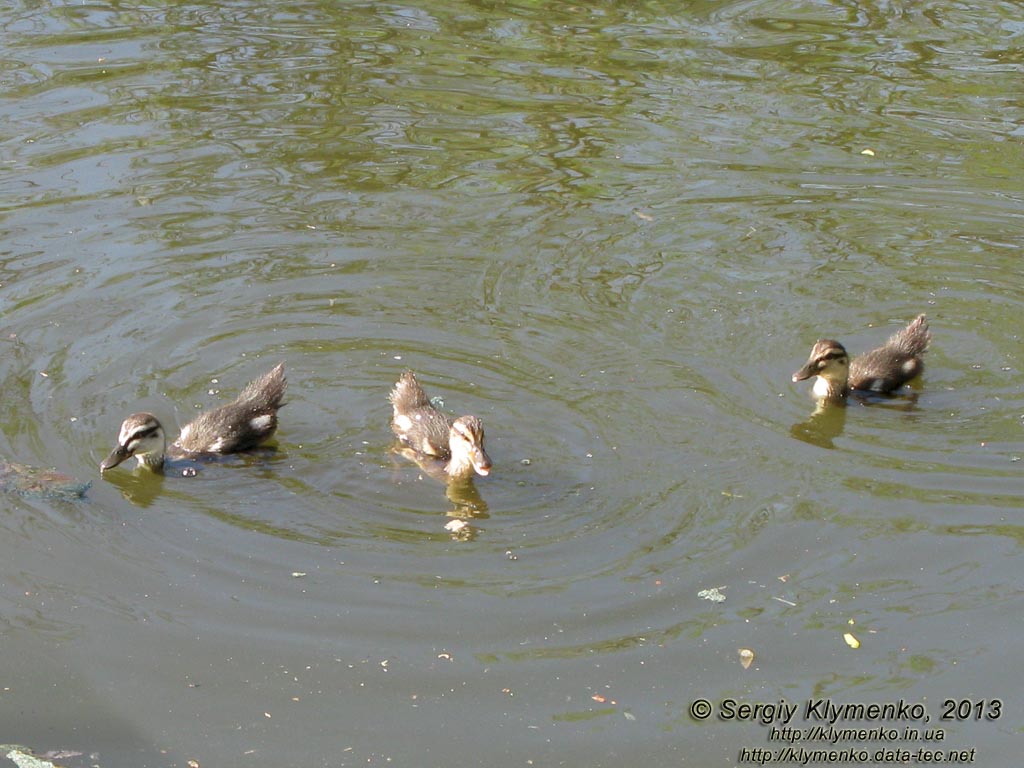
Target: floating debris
(851, 641)
(713, 594)
(23, 757)
(746, 657)
(454, 526)
(39, 483)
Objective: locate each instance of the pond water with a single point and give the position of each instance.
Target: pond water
(611, 230)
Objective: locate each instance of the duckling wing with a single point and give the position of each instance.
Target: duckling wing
(875, 372)
(425, 430)
(229, 429)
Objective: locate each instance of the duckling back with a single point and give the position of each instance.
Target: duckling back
(240, 425)
(896, 362)
(416, 422)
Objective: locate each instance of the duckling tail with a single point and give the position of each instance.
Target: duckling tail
(408, 394)
(268, 390)
(914, 339)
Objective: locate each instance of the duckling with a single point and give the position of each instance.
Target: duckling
(238, 426)
(419, 425)
(881, 370)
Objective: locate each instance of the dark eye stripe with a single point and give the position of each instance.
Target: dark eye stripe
(833, 354)
(144, 433)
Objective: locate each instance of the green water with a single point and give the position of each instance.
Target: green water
(612, 231)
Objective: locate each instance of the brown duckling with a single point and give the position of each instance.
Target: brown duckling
(419, 425)
(238, 426)
(881, 370)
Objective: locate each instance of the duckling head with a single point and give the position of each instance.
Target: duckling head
(141, 436)
(830, 363)
(466, 441)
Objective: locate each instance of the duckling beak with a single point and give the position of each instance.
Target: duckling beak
(481, 461)
(806, 372)
(116, 456)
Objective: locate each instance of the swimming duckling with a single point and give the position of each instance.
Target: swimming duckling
(419, 425)
(237, 426)
(881, 370)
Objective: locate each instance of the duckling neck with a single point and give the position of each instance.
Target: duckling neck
(459, 466)
(829, 389)
(153, 461)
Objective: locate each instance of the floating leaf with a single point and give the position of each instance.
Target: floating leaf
(746, 657)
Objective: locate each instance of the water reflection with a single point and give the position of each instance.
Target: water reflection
(823, 426)
(460, 491)
(468, 510)
(828, 420)
(140, 486)
(466, 498)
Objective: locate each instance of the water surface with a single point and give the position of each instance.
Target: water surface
(612, 231)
